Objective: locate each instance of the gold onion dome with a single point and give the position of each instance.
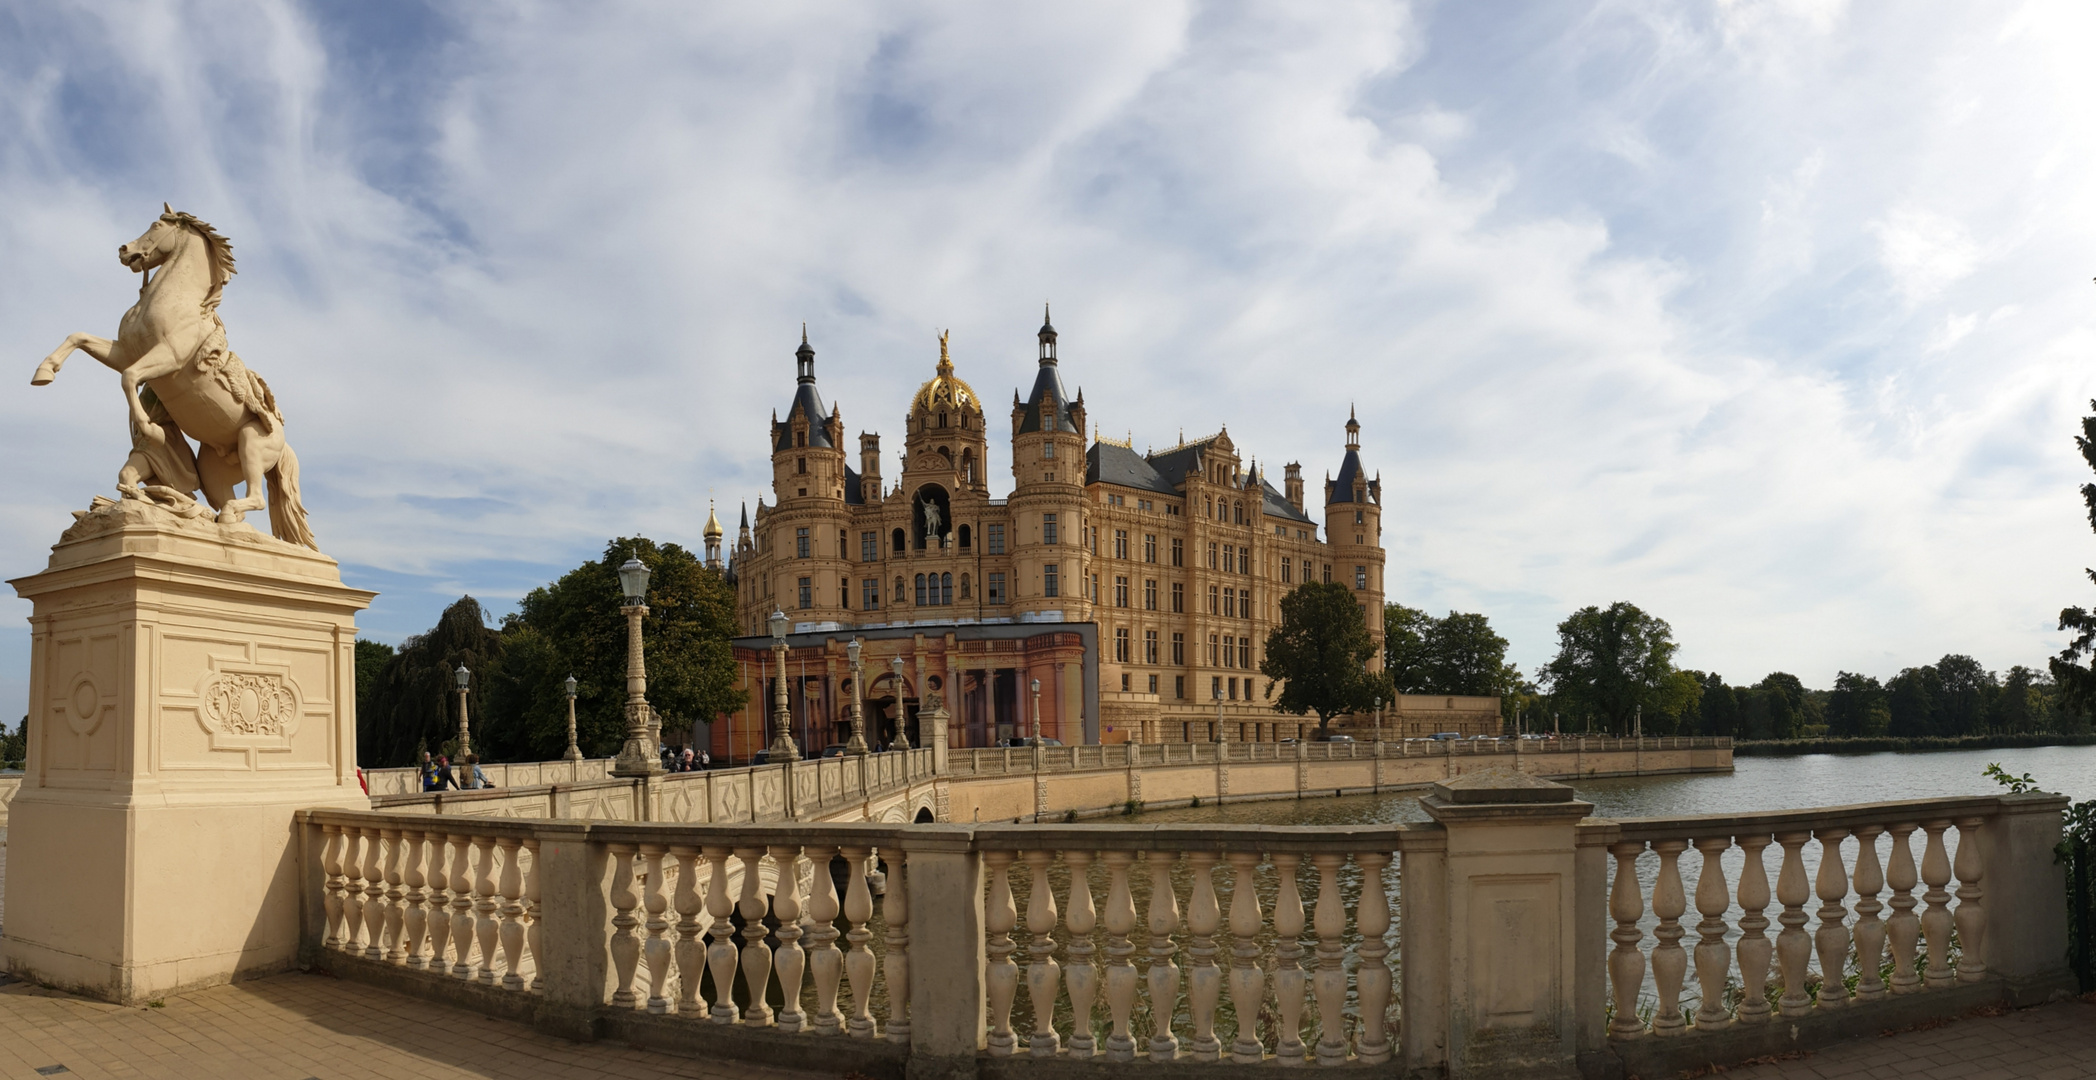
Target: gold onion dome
(945, 390)
(713, 525)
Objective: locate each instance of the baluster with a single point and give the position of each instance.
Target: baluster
(1329, 921)
(439, 903)
(1120, 950)
(512, 908)
(396, 908)
(656, 949)
(1204, 980)
(1669, 959)
(1754, 945)
(332, 898)
(1290, 979)
(1904, 928)
(1936, 921)
(825, 962)
(1372, 980)
(756, 955)
(353, 890)
(485, 903)
(625, 938)
(1870, 930)
(1247, 982)
(462, 907)
(1626, 965)
(858, 963)
(895, 911)
(1793, 945)
(1002, 975)
(720, 950)
(1043, 974)
(415, 921)
(1972, 916)
(1713, 959)
(533, 937)
(375, 894)
(1164, 973)
(1833, 935)
(1081, 974)
(789, 960)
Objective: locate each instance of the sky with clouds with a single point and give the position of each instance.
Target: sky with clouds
(1773, 318)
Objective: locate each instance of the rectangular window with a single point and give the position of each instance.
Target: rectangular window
(1095, 588)
(1153, 684)
(1359, 517)
(1047, 528)
(1286, 573)
(1244, 658)
(1211, 554)
(1244, 560)
(1121, 644)
(870, 594)
(1215, 687)
(1233, 689)
(1229, 651)
(1179, 653)
(1050, 583)
(1149, 594)
(1124, 682)
(1229, 556)
(1244, 603)
(1150, 651)
(1360, 577)
(1213, 605)
(1178, 598)
(996, 538)
(869, 546)
(1229, 601)
(1149, 547)
(1120, 591)
(1047, 451)
(843, 544)
(800, 543)
(807, 593)
(1178, 552)
(1328, 573)
(996, 587)
(1120, 543)
(1179, 681)
(1213, 659)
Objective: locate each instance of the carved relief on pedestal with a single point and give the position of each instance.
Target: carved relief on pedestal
(247, 706)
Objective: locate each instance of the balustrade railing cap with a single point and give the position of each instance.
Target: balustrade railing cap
(1500, 786)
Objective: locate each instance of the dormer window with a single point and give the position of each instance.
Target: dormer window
(800, 438)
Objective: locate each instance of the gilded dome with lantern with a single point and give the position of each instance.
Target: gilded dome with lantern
(945, 390)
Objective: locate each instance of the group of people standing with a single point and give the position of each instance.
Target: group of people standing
(687, 761)
(438, 773)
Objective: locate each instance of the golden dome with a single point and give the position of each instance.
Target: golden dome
(945, 390)
(713, 525)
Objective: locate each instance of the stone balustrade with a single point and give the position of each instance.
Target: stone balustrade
(1513, 931)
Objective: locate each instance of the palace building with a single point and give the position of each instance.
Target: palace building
(1138, 588)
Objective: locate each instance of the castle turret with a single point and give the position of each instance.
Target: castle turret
(1050, 540)
(806, 533)
(1354, 529)
(714, 532)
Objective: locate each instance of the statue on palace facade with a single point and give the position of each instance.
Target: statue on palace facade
(181, 381)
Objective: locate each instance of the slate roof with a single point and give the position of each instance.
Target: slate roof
(852, 495)
(1047, 392)
(1349, 470)
(1106, 463)
(806, 399)
(1277, 504)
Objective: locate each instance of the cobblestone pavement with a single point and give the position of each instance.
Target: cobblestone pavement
(291, 1027)
(2050, 1042)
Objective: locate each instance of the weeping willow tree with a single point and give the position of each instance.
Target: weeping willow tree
(414, 699)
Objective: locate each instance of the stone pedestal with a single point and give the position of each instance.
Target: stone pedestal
(191, 685)
(1493, 903)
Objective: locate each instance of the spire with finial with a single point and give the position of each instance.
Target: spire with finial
(804, 358)
(945, 359)
(1047, 336)
(1353, 430)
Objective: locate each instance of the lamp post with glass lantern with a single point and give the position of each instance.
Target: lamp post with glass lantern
(574, 751)
(638, 756)
(783, 748)
(464, 679)
(857, 744)
(902, 712)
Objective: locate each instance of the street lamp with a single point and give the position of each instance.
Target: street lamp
(574, 752)
(637, 757)
(1037, 714)
(1379, 719)
(783, 748)
(902, 712)
(857, 744)
(464, 679)
(1217, 695)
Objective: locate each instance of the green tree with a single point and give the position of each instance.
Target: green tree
(1718, 712)
(1851, 704)
(1407, 641)
(14, 747)
(1677, 705)
(371, 659)
(2074, 669)
(1319, 654)
(1610, 663)
(691, 667)
(1965, 695)
(1465, 656)
(1784, 697)
(414, 700)
(1911, 701)
(2020, 705)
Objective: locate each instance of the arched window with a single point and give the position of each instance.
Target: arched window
(946, 588)
(968, 465)
(1237, 508)
(964, 587)
(920, 590)
(946, 451)
(899, 542)
(942, 419)
(899, 594)
(962, 533)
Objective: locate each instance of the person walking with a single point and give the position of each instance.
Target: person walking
(428, 773)
(445, 777)
(475, 779)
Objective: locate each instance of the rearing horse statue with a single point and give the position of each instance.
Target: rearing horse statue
(172, 346)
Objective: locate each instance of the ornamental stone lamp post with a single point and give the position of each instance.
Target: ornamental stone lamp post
(637, 757)
(857, 745)
(574, 751)
(1218, 715)
(783, 748)
(902, 712)
(1037, 715)
(464, 679)
(1379, 723)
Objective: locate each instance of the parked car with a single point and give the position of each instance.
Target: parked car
(761, 757)
(1016, 741)
(835, 749)
(1444, 736)
(1339, 738)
